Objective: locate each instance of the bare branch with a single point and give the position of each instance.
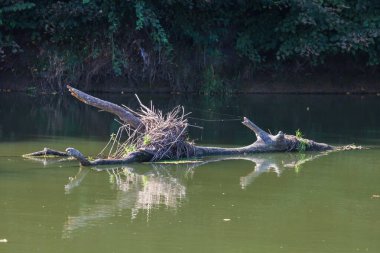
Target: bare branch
(126, 116)
(260, 134)
(46, 152)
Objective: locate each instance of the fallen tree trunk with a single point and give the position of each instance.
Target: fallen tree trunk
(178, 146)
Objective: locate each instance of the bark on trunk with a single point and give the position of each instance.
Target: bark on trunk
(123, 114)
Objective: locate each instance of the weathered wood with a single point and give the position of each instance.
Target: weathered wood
(126, 116)
(137, 156)
(265, 143)
(47, 152)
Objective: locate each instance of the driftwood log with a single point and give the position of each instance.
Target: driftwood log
(265, 142)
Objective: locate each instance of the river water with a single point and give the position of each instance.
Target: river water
(290, 202)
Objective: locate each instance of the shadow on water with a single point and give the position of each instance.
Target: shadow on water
(144, 188)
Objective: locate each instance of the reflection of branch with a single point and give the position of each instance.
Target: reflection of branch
(135, 192)
(268, 162)
(76, 180)
(161, 186)
(261, 166)
(278, 164)
(153, 189)
(187, 169)
(158, 191)
(102, 209)
(263, 163)
(303, 158)
(47, 160)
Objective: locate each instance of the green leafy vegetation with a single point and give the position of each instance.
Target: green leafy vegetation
(303, 143)
(89, 41)
(212, 83)
(147, 140)
(129, 149)
(299, 134)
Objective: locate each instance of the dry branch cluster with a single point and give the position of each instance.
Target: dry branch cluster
(165, 136)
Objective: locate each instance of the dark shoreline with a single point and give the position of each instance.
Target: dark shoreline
(121, 91)
(254, 88)
(342, 82)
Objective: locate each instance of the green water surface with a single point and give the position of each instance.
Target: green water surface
(288, 202)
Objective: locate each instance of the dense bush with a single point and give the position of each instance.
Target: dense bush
(88, 41)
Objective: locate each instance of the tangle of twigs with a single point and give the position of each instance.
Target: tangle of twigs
(163, 135)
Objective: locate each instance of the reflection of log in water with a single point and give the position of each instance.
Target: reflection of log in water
(152, 190)
(76, 180)
(48, 160)
(266, 163)
(136, 192)
(159, 187)
(90, 214)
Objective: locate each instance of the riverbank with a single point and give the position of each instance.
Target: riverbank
(302, 84)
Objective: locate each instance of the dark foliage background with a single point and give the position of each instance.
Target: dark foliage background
(189, 45)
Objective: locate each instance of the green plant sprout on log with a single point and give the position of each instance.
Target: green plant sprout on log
(303, 143)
